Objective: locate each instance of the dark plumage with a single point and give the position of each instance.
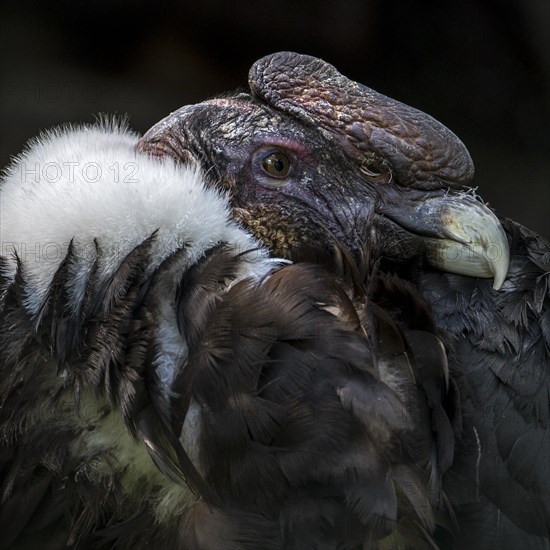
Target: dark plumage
(310, 156)
(323, 413)
(165, 384)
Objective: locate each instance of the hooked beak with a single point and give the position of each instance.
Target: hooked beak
(461, 235)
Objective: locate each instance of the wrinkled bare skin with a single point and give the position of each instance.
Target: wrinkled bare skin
(360, 166)
(374, 130)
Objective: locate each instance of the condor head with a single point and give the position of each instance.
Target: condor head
(311, 156)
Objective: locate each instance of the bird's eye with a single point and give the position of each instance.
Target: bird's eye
(276, 165)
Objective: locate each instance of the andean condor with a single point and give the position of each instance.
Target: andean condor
(309, 155)
(167, 383)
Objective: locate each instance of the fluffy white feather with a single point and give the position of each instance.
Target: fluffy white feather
(86, 183)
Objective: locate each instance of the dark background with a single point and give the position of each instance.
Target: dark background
(481, 67)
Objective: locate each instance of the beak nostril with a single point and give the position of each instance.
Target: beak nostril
(376, 169)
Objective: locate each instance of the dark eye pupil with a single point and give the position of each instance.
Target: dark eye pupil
(279, 165)
(276, 165)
